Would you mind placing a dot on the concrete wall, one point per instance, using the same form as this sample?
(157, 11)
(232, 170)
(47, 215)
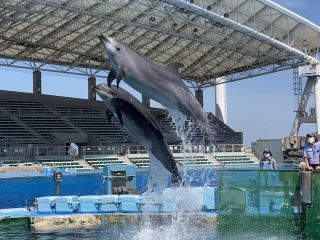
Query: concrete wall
(275, 145)
(51, 100)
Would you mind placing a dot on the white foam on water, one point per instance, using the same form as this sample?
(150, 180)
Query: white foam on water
(178, 230)
(188, 200)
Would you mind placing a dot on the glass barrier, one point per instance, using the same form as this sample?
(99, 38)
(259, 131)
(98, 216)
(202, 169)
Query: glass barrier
(261, 203)
(312, 212)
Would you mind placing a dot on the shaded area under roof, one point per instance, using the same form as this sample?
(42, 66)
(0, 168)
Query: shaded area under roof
(236, 39)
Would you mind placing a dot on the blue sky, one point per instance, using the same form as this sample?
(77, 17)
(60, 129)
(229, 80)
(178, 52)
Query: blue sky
(260, 107)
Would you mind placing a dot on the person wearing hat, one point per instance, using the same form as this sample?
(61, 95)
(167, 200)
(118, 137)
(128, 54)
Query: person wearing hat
(267, 162)
(311, 152)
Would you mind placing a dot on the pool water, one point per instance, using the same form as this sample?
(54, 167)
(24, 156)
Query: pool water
(19, 192)
(177, 230)
(242, 210)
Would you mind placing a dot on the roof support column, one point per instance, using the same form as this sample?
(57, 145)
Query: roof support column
(37, 82)
(221, 102)
(317, 101)
(199, 96)
(91, 85)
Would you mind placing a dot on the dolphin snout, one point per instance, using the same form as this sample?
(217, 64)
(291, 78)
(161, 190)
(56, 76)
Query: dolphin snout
(102, 87)
(105, 39)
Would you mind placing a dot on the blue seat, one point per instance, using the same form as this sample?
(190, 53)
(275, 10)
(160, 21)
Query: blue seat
(152, 204)
(109, 203)
(129, 203)
(89, 204)
(46, 204)
(66, 204)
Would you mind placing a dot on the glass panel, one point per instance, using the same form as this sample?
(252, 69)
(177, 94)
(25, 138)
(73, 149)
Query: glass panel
(265, 202)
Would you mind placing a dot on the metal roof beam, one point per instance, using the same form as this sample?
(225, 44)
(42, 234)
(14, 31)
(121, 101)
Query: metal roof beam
(215, 56)
(285, 11)
(241, 28)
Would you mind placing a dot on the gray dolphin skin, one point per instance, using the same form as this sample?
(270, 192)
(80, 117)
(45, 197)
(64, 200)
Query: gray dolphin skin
(140, 123)
(159, 82)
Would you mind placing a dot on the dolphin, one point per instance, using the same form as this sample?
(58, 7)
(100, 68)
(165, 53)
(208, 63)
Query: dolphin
(140, 123)
(159, 82)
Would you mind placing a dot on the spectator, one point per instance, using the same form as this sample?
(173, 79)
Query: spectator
(311, 152)
(267, 162)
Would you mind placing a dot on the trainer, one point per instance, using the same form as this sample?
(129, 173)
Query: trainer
(311, 152)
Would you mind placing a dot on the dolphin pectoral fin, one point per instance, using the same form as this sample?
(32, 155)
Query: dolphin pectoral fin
(112, 75)
(174, 67)
(119, 76)
(118, 82)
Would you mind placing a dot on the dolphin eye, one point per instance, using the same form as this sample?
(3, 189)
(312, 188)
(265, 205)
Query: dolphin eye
(118, 49)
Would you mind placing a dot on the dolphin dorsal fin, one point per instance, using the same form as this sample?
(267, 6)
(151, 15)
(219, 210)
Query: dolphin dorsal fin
(174, 67)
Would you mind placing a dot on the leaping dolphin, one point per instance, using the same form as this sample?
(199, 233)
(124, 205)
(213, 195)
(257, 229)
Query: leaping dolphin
(140, 123)
(159, 82)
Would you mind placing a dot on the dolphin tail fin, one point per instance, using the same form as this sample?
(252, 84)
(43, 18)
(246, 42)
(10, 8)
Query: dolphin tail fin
(112, 75)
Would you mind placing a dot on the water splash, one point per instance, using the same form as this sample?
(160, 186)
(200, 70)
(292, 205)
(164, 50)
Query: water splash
(158, 175)
(180, 229)
(184, 223)
(185, 131)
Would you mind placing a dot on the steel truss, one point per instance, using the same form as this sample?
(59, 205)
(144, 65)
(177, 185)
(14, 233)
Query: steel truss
(237, 39)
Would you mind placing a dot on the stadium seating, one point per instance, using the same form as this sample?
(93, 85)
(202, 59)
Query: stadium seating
(94, 122)
(14, 133)
(142, 161)
(40, 116)
(195, 160)
(59, 162)
(36, 116)
(100, 161)
(233, 158)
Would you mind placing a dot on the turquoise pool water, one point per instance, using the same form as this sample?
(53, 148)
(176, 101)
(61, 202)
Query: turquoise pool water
(179, 230)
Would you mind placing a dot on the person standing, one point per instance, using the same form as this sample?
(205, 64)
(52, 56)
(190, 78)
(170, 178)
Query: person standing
(311, 152)
(267, 162)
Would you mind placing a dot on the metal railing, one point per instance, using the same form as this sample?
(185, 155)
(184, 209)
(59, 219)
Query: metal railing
(100, 150)
(12, 152)
(256, 152)
(34, 153)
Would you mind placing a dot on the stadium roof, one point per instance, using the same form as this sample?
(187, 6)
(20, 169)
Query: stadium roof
(233, 38)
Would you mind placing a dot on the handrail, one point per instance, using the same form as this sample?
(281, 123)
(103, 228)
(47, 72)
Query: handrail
(35, 152)
(256, 152)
